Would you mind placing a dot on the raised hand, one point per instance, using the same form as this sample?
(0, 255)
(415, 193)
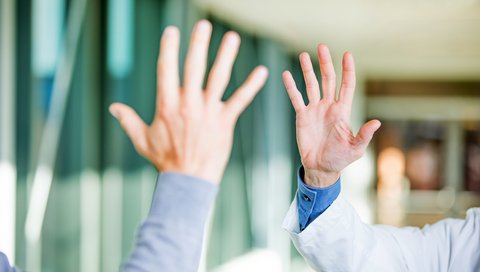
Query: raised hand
(192, 131)
(324, 135)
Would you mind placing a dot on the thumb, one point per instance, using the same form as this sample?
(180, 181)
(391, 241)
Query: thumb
(366, 132)
(132, 124)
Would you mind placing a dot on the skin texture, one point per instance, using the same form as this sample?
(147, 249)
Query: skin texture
(324, 135)
(192, 130)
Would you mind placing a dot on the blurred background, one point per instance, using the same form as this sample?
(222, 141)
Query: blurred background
(73, 190)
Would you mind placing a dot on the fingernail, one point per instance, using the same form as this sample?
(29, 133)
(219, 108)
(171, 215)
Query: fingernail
(325, 49)
(263, 70)
(203, 25)
(232, 38)
(169, 31)
(113, 112)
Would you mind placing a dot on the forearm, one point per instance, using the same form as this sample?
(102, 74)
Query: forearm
(171, 237)
(338, 240)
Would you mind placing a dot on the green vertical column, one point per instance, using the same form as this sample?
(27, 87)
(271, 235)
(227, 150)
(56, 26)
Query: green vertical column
(273, 190)
(91, 73)
(120, 46)
(23, 113)
(8, 184)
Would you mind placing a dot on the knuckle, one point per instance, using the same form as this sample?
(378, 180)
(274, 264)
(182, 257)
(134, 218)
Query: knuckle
(163, 110)
(189, 110)
(185, 111)
(162, 66)
(329, 76)
(348, 84)
(231, 115)
(311, 84)
(307, 69)
(164, 106)
(242, 100)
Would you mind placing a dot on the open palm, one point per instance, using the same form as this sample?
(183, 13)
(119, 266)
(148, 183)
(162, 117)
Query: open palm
(325, 140)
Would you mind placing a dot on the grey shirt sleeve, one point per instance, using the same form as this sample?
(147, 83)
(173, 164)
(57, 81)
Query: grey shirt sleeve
(171, 237)
(4, 264)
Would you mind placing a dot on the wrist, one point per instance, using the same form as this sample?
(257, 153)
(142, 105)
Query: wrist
(320, 179)
(212, 176)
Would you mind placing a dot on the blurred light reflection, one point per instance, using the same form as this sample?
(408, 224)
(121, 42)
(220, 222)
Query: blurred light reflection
(7, 209)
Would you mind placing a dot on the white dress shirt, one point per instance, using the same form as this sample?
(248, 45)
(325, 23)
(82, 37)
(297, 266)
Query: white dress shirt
(338, 240)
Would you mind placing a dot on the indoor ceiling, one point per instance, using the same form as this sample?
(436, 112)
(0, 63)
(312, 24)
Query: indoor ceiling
(410, 39)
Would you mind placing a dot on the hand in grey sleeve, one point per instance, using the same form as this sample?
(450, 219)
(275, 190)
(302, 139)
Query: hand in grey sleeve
(170, 239)
(191, 134)
(192, 129)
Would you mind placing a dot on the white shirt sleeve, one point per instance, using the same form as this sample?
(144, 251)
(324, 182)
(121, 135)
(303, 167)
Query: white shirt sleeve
(339, 241)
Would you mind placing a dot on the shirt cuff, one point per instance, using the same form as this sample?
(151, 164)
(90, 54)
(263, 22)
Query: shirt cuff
(312, 202)
(177, 193)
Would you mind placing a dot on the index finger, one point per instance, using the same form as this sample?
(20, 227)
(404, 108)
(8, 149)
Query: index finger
(245, 94)
(293, 93)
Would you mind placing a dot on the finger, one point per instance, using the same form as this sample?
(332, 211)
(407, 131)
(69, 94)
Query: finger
(311, 82)
(132, 124)
(365, 133)
(222, 67)
(245, 94)
(293, 93)
(347, 89)
(167, 68)
(196, 60)
(327, 71)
